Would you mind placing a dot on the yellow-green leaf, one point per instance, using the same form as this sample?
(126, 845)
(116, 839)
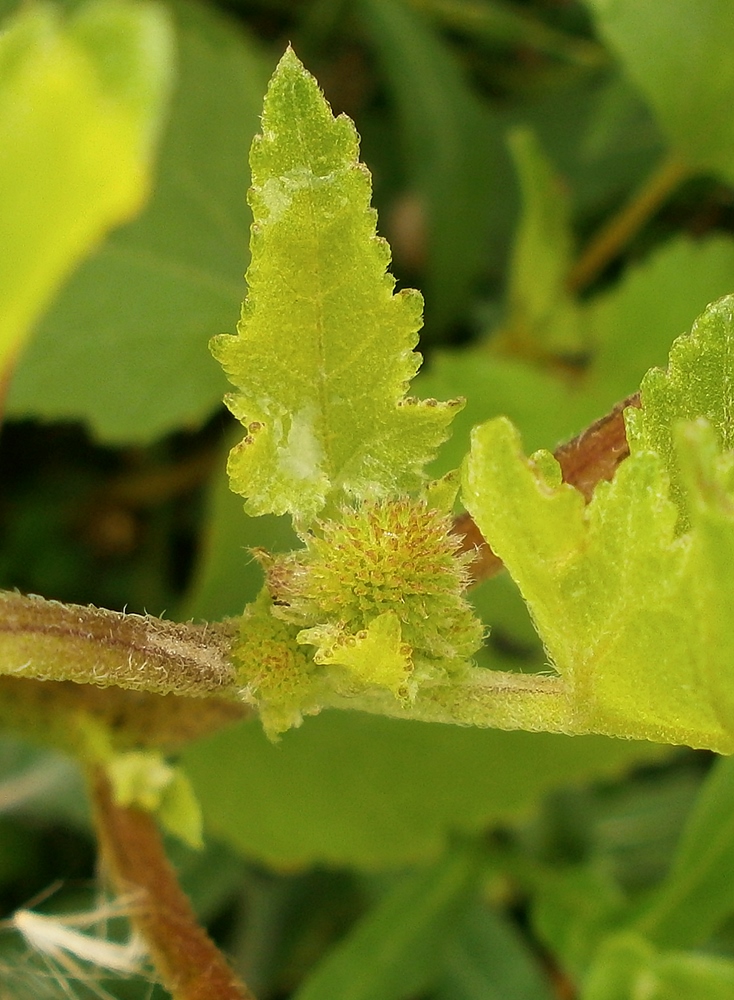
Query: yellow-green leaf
(80, 106)
(324, 352)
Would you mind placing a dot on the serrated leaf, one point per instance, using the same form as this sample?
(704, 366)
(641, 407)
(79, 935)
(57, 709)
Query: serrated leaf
(354, 789)
(376, 655)
(606, 584)
(144, 306)
(85, 96)
(642, 574)
(687, 75)
(324, 351)
(707, 475)
(698, 382)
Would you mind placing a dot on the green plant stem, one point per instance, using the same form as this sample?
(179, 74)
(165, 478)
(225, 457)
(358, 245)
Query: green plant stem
(139, 659)
(188, 962)
(619, 230)
(532, 702)
(47, 640)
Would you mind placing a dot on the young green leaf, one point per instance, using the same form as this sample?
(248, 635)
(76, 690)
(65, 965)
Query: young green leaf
(699, 382)
(621, 584)
(325, 349)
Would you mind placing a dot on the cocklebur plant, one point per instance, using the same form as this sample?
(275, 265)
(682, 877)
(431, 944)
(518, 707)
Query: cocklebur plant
(630, 592)
(371, 611)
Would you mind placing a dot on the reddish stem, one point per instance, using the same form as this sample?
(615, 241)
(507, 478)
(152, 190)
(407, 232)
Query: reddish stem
(188, 962)
(586, 460)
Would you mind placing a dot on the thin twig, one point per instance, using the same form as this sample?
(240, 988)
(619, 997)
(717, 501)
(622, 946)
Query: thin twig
(620, 229)
(188, 962)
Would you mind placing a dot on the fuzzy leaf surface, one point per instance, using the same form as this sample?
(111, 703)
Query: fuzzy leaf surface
(632, 594)
(324, 351)
(698, 382)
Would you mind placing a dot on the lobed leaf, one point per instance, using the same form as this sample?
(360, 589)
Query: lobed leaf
(699, 382)
(324, 351)
(632, 594)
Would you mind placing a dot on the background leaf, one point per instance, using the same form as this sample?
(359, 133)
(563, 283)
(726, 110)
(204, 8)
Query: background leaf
(697, 894)
(360, 790)
(489, 960)
(397, 949)
(633, 323)
(688, 76)
(86, 96)
(125, 346)
(450, 145)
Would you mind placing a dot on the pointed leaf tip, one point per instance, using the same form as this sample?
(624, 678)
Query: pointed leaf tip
(324, 351)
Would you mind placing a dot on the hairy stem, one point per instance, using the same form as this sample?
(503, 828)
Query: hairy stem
(495, 699)
(620, 229)
(188, 962)
(47, 640)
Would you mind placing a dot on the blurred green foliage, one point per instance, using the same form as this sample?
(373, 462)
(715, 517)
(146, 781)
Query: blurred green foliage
(504, 139)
